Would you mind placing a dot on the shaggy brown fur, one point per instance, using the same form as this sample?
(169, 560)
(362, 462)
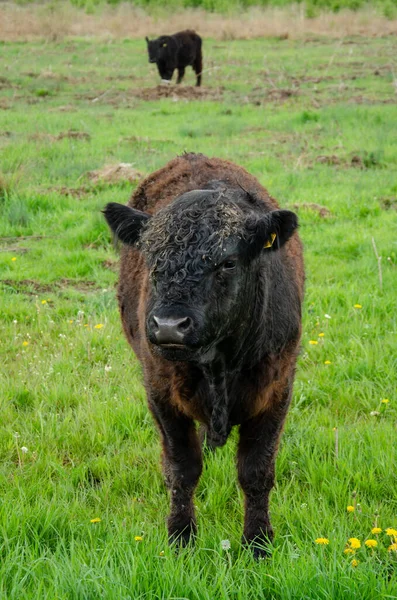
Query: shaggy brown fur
(248, 381)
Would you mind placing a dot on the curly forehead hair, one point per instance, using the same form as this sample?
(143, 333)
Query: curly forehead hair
(187, 236)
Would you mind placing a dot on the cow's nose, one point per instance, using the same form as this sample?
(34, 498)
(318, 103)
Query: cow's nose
(171, 330)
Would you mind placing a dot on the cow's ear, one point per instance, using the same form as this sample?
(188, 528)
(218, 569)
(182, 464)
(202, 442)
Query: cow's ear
(270, 232)
(147, 40)
(125, 222)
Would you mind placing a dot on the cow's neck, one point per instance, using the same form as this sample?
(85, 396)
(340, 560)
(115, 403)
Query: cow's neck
(215, 375)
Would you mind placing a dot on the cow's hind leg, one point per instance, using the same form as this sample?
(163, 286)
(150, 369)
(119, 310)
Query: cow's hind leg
(182, 462)
(256, 456)
(181, 73)
(198, 66)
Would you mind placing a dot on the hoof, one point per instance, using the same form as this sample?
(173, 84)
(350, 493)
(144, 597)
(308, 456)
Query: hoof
(181, 534)
(260, 545)
(181, 539)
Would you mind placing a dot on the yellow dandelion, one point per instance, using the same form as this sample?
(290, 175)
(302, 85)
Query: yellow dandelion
(355, 543)
(355, 562)
(357, 306)
(313, 342)
(349, 551)
(44, 301)
(393, 548)
(70, 320)
(138, 538)
(25, 343)
(99, 326)
(96, 520)
(391, 531)
(86, 325)
(161, 553)
(376, 530)
(322, 541)
(385, 401)
(327, 362)
(14, 258)
(321, 334)
(350, 509)
(371, 543)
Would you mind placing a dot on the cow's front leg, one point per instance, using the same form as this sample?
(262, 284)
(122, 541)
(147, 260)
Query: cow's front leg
(182, 463)
(256, 457)
(181, 73)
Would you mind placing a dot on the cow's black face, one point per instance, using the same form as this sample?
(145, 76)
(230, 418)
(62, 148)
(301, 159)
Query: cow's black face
(158, 49)
(205, 253)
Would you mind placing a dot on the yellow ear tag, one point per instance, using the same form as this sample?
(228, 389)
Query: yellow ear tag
(164, 45)
(270, 242)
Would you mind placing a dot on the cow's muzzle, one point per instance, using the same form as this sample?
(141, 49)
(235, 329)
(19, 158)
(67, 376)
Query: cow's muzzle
(170, 331)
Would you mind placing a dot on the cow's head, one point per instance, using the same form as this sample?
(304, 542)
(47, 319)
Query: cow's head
(206, 255)
(159, 49)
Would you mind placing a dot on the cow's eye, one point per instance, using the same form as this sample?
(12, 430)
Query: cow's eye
(229, 265)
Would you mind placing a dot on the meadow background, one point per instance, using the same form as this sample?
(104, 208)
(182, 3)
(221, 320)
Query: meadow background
(311, 113)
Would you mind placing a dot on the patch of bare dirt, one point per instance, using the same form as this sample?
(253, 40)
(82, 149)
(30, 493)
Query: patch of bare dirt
(388, 202)
(75, 135)
(5, 83)
(66, 108)
(322, 211)
(111, 264)
(71, 134)
(262, 95)
(121, 78)
(115, 173)
(362, 160)
(178, 92)
(31, 287)
(4, 105)
(329, 160)
(79, 285)
(27, 286)
(78, 192)
(14, 249)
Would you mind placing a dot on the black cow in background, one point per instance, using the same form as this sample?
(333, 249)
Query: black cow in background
(176, 51)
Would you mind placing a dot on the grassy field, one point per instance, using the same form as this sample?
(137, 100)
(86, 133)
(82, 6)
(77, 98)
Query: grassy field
(314, 120)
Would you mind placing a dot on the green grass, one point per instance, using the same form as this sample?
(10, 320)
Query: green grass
(315, 122)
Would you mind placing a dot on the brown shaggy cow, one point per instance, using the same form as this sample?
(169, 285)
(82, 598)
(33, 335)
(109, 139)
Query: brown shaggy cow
(176, 51)
(210, 292)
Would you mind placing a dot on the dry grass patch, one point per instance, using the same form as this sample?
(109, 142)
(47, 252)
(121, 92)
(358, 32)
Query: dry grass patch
(71, 134)
(54, 22)
(115, 174)
(178, 92)
(322, 211)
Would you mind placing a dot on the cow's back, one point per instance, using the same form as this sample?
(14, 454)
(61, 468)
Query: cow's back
(191, 172)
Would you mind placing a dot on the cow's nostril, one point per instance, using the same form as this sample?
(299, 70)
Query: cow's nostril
(184, 324)
(170, 330)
